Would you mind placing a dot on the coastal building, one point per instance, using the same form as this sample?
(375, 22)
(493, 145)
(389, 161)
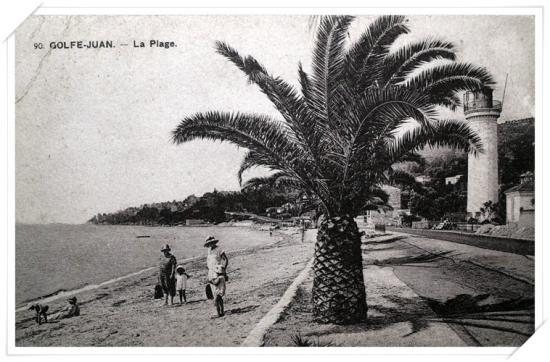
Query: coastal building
(423, 179)
(453, 180)
(520, 201)
(387, 216)
(481, 113)
(394, 196)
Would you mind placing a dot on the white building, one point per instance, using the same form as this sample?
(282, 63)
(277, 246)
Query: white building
(386, 216)
(452, 180)
(423, 179)
(520, 201)
(394, 196)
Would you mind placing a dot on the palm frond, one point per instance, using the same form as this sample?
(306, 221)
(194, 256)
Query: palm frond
(301, 176)
(284, 97)
(278, 180)
(374, 117)
(449, 78)
(305, 83)
(261, 134)
(327, 62)
(444, 133)
(398, 65)
(365, 55)
(250, 66)
(254, 159)
(451, 101)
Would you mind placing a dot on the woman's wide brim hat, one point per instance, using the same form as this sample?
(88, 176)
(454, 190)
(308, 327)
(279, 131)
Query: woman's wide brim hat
(210, 240)
(166, 248)
(180, 267)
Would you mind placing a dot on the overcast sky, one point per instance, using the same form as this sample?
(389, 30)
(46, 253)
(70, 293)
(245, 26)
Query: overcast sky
(93, 126)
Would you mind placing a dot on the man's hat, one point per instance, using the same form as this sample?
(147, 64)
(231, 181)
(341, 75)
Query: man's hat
(210, 240)
(166, 248)
(71, 299)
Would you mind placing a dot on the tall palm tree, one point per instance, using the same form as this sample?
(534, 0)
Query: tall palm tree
(339, 134)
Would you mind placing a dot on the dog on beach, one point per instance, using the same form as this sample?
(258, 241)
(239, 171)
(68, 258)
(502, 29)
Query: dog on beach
(41, 312)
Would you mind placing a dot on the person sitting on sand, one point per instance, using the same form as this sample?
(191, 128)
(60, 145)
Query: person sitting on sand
(218, 289)
(71, 310)
(181, 282)
(216, 256)
(167, 274)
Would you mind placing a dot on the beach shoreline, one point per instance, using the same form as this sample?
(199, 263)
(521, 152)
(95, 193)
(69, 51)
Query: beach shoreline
(64, 293)
(124, 313)
(59, 259)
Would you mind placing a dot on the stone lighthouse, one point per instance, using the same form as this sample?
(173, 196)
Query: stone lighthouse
(482, 112)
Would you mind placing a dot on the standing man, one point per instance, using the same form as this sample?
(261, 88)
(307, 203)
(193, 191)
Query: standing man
(167, 274)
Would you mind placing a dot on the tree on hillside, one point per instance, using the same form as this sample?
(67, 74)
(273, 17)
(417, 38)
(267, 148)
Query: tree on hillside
(337, 136)
(516, 150)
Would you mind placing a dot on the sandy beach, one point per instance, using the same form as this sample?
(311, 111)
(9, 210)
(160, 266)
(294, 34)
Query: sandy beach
(125, 313)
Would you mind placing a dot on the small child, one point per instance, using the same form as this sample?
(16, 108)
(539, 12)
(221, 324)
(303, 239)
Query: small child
(181, 282)
(40, 312)
(218, 289)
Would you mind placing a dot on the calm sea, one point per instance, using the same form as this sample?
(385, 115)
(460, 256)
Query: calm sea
(50, 258)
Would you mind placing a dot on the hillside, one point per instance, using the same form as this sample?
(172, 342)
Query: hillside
(508, 133)
(516, 155)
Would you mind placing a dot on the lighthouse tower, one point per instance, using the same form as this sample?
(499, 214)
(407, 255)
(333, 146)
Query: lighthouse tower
(482, 112)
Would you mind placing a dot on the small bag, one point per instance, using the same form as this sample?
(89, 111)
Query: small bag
(208, 290)
(158, 292)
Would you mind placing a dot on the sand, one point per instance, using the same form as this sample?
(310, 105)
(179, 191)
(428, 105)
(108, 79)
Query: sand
(125, 313)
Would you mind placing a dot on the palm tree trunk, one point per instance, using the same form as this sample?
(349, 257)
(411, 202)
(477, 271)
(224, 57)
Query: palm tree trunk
(338, 294)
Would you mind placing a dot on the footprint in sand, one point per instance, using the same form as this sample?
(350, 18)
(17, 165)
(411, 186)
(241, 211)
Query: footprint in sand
(118, 302)
(102, 295)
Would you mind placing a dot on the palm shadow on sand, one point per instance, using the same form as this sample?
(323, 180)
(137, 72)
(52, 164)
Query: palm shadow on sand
(411, 260)
(462, 310)
(472, 311)
(390, 241)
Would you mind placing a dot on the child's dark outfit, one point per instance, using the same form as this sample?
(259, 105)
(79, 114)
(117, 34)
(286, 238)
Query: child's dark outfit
(218, 290)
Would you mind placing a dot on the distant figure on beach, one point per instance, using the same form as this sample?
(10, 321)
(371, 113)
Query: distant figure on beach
(71, 310)
(40, 312)
(167, 274)
(181, 282)
(218, 289)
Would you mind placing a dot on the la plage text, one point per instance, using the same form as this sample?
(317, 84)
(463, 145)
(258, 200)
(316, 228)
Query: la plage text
(99, 44)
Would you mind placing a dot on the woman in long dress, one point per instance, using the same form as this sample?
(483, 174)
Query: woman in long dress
(216, 256)
(167, 274)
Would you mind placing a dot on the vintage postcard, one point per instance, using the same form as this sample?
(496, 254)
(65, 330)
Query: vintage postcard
(335, 180)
